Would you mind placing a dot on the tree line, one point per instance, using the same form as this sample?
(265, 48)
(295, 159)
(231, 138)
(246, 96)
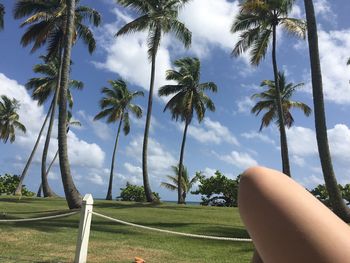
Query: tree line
(59, 24)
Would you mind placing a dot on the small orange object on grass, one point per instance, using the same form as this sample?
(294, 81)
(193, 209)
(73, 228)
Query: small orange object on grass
(139, 260)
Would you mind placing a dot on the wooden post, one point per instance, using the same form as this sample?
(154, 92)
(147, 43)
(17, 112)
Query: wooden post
(84, 229)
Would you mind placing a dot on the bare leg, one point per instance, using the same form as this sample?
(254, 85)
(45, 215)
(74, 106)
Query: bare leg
(287, 223)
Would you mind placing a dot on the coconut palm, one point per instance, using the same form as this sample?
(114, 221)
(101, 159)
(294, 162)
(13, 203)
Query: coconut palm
(158, 17)
(268, 98)
(2, 14)
(338, 204)
(189, 98)
(43, 88)
(116, 105)
(186, 183)
(258, 21)
(44, 180)
(9, 119)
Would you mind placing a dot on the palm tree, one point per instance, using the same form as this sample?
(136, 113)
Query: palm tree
(9, 119)
(158, 17)
(338, 204)
(2, 14)
(42, 89)
(115, 106)
(268, 103)
(258, 21)
(186, 183)
(189, 98)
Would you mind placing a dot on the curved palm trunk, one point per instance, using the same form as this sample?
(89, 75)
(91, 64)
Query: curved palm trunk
(283, 136)
(180, 196)
(338, 204)
(148, 192)
(73, 197)
(109, 192)
(29, 161)
(38, 193)
(47, 191)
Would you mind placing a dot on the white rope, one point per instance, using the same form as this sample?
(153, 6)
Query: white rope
(38, 218)
(173, 232)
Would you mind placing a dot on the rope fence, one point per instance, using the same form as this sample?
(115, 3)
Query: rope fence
(172, 232)
(39, 218)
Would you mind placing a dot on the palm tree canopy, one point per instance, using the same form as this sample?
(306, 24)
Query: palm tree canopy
(116, 104)
(186, 183)
(256, 20)
(9, 119)
(2, 14)
(47, 23)
(157, 17)
(268, 102)
(43, 87)
(189, 92)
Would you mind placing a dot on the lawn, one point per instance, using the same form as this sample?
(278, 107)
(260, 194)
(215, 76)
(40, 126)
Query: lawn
(54, 240)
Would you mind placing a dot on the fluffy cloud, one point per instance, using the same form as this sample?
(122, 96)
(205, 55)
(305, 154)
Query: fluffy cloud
(159, 159)
(100, 129)
(211, 132)
(240, 160)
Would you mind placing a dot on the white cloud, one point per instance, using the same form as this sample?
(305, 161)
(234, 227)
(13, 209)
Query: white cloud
(301, 141)
(100, 129)
(244, 105)
(324, 9)
(259, 136)
(159, 159)
(211, 132)
(241, 160)
(133, 169)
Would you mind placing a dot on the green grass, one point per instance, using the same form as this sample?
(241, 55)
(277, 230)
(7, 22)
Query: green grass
(55, 240)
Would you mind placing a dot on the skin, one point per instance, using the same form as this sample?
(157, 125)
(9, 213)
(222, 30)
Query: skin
(287, 223)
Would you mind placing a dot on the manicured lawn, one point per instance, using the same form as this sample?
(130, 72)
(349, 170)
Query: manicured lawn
(54, 240)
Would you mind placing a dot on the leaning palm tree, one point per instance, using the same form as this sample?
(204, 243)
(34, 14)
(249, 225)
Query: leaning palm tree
(337, 202)
(2, 13)
(59, 23)
(186, 183)
(115, 106)
(258, 22)
(268, 98)
(189, 98)
(158, 17)
(9, 119)
(43, 88)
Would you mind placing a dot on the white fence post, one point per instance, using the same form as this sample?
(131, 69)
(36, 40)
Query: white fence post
(84, 229)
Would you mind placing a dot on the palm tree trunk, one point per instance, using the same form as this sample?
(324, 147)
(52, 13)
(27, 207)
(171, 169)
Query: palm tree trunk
(52, 162)
(148, 192)
(337, 202)
(38, 193)
(109, 192)
(73, 197)
(180, 196)
(18, 190)
(283, 136)
(47, 191)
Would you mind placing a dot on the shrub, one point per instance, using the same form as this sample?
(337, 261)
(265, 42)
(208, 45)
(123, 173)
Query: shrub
(8, 184)
(134, 193)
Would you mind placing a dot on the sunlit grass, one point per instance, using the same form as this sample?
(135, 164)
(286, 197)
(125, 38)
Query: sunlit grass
(54, 240)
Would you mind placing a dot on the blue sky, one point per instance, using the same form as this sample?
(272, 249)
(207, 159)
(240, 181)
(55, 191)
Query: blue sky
(227, 140)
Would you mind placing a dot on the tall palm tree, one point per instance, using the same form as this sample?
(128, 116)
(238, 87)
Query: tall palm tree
(73, 197)
(158, 17)
(186, 183)
(268, 98)
(42, 89)
(2, 14)
(338, 204)
(258, 21)
(9, 119)
(189, 98)
(115, 106)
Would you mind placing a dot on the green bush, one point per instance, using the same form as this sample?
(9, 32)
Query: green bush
(321, 193)
(8, 185)
(218, 190)
(134, 193)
